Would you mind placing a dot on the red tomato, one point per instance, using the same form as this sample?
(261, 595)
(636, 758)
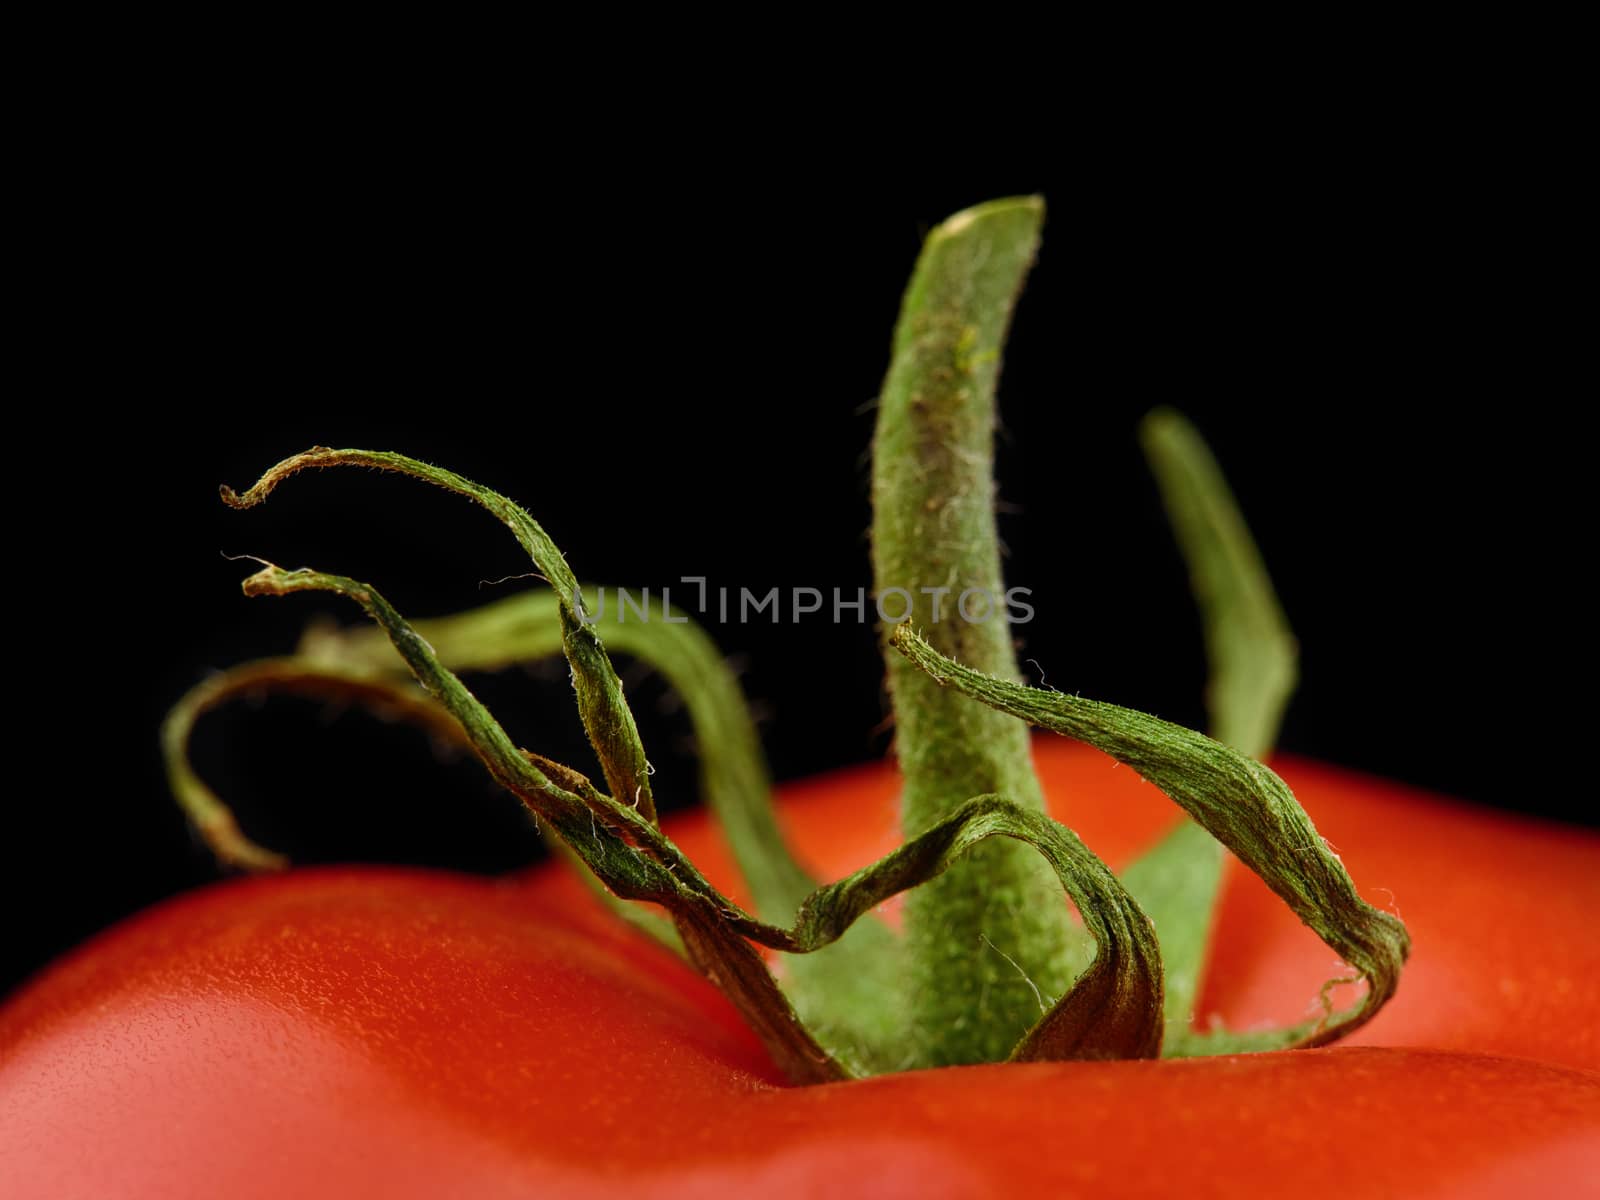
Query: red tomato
(402, 1033)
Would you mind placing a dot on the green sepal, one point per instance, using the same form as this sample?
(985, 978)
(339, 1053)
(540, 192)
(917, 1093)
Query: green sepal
(1251, 656)
(376, 690)
(849, 992)
(1242, 803)
(1112, 1010)
(607, 719)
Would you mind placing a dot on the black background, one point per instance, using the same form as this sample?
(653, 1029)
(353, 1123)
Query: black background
(672, 366)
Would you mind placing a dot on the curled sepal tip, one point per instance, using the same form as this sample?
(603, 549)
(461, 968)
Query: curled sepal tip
(607, 719)
(211, 818)
(1241, 802)
(381, 694)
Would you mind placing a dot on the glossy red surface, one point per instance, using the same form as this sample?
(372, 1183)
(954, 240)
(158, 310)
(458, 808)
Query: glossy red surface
(411, 1034)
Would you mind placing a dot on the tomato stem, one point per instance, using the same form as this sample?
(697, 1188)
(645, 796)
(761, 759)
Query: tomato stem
(988, 937)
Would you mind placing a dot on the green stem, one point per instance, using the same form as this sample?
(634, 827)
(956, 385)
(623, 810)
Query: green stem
(987, 937)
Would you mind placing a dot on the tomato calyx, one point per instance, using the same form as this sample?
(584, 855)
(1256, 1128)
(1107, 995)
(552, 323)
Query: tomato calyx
(1112, 1011)
(972, 805)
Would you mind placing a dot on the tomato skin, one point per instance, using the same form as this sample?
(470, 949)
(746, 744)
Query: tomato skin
(406, 1033)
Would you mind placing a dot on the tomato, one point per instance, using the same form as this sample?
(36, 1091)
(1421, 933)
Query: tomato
(398, 1033)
